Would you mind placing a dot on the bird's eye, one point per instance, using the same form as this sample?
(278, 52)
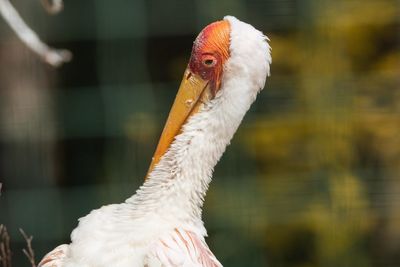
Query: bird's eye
(209, 61)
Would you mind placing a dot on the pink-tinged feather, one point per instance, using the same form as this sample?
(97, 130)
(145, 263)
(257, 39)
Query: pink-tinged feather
(55, 257)
(182, 248)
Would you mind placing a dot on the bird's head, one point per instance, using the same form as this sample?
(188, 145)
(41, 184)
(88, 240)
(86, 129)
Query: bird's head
(226, 55)
(209, 54)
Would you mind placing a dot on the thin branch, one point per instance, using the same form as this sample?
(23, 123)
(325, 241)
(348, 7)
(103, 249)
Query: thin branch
(5, 251)
(53, 6)
(29, 253)
(54, 57)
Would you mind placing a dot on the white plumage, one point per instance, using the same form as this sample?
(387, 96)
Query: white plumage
(161, 224)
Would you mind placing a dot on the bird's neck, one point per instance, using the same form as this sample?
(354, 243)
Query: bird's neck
(178, 184)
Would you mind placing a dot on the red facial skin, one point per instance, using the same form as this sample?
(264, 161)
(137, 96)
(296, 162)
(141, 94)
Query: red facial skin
(209, 53)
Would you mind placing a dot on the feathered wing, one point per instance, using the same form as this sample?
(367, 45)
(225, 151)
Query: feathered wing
(181, 249)
(54, 258)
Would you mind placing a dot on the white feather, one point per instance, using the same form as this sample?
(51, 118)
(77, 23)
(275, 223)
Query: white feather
(170, 201)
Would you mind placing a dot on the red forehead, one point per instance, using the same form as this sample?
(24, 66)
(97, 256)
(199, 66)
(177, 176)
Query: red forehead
(211, 44)
(213, 39)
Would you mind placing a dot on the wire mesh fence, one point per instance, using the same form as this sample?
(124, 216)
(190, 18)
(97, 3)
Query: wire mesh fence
(311, 177)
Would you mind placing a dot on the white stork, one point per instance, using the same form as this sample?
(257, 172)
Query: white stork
(161, 224)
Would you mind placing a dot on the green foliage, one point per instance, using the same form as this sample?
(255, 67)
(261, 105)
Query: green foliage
(312, 176)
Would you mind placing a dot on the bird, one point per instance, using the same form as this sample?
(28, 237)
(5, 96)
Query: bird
(161, 224)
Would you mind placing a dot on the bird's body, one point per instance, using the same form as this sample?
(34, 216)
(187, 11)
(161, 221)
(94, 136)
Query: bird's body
(161, 224)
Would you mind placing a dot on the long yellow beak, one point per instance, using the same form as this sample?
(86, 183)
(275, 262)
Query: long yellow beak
(192, 92)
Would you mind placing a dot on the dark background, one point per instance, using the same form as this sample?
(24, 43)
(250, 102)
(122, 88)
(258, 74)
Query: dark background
(312, 177)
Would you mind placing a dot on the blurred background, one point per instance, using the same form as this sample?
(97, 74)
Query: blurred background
(312, 177)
